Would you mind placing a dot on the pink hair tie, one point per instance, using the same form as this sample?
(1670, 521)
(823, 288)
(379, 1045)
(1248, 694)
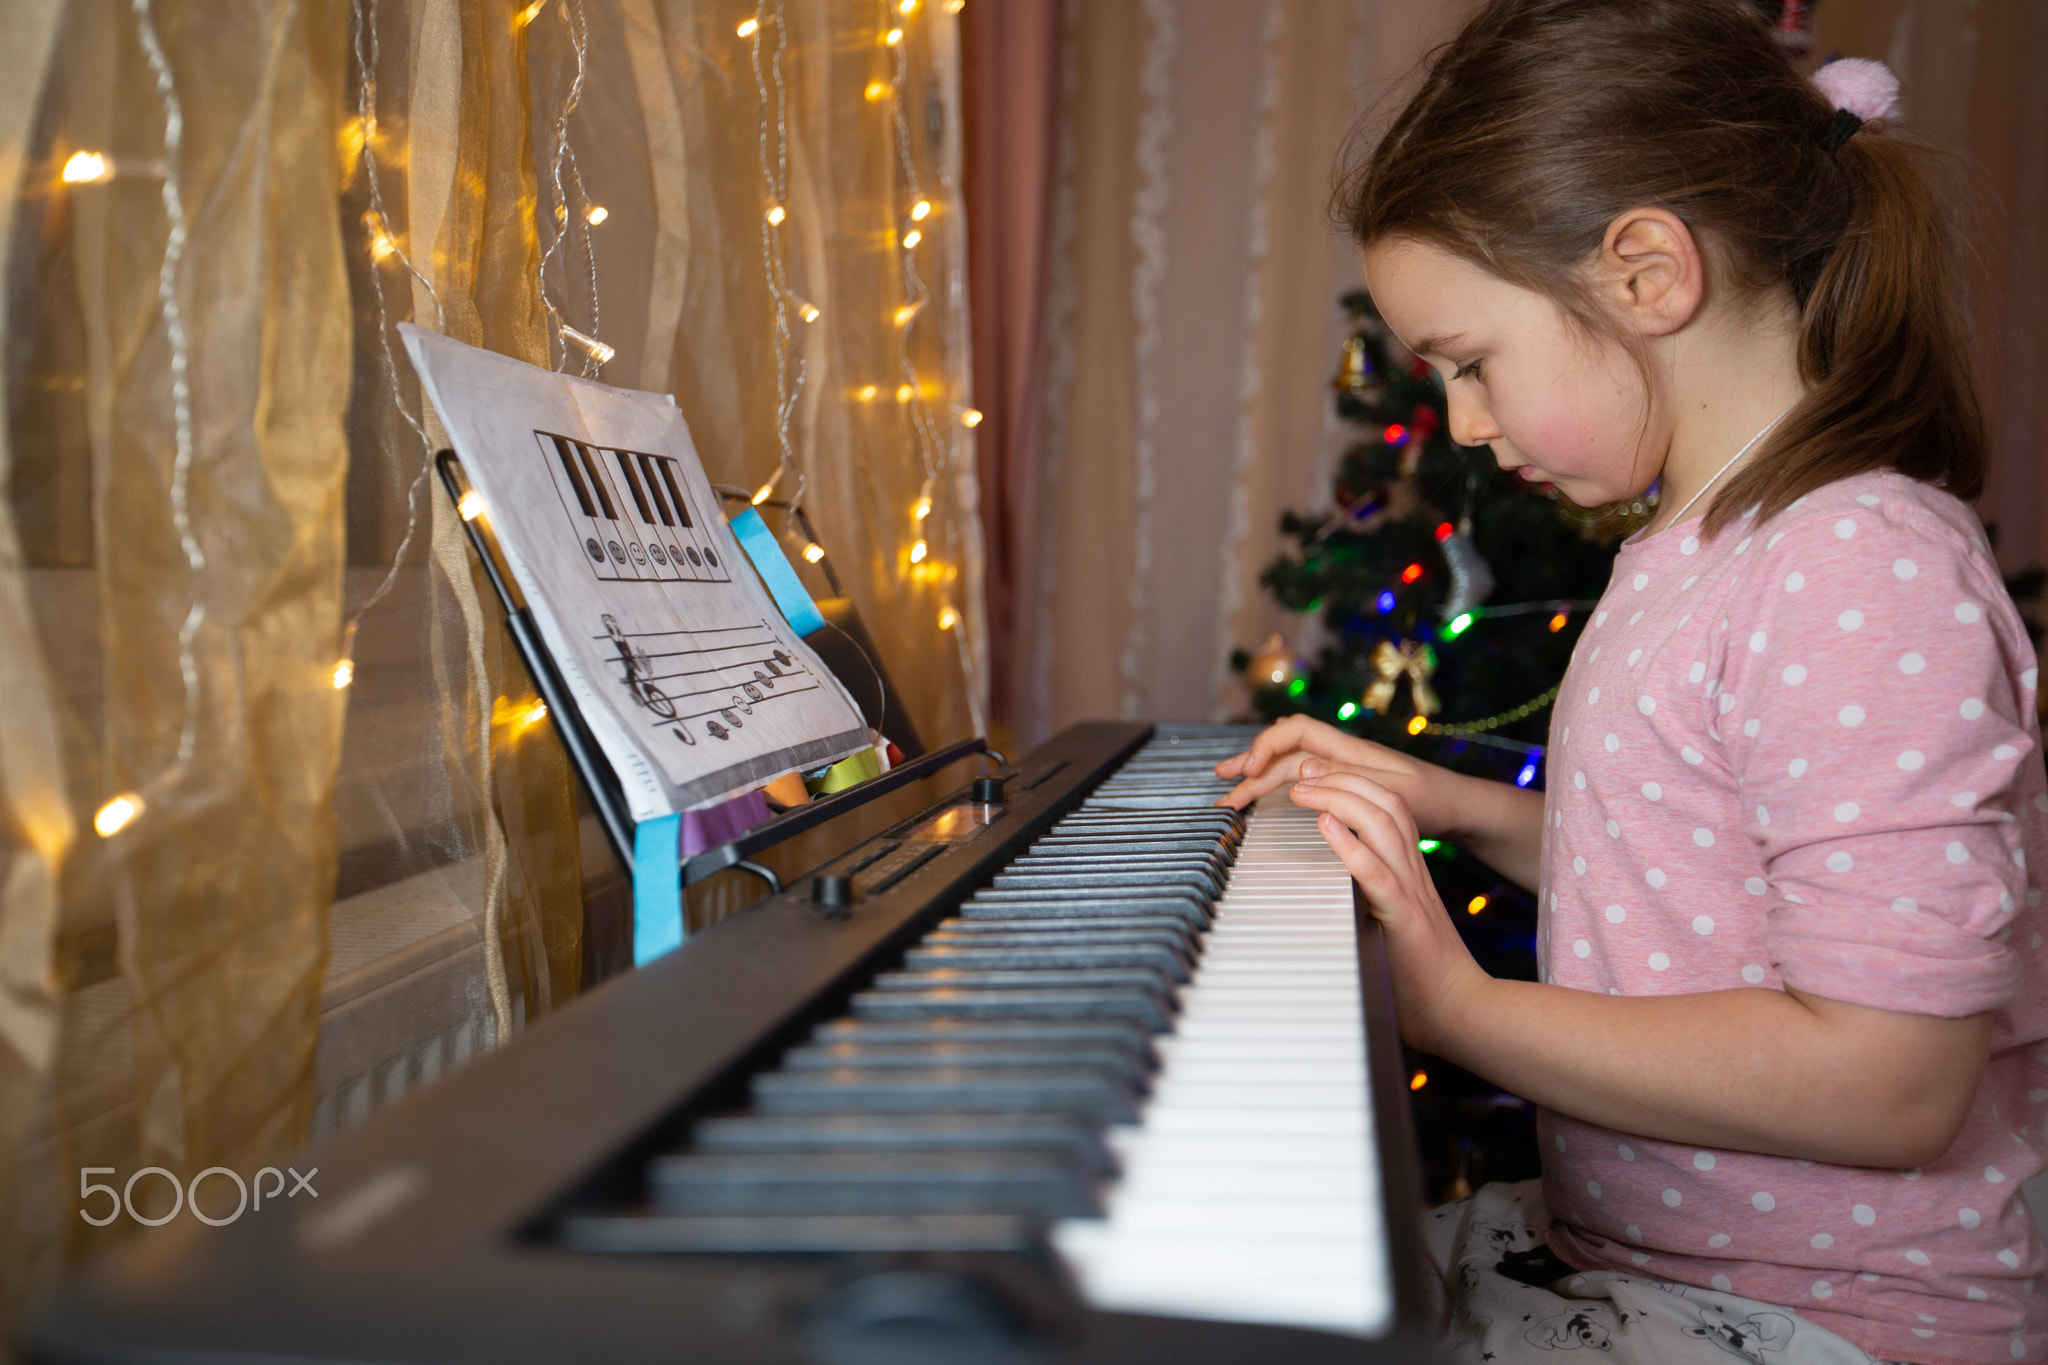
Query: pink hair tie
(1860, 90)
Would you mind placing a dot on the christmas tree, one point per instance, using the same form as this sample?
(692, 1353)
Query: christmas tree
(1448, 595)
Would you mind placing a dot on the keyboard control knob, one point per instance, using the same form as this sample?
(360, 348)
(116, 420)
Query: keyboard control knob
(988, 791)
(832, 896)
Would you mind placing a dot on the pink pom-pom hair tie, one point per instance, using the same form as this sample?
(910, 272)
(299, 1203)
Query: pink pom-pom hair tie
(1860, 90)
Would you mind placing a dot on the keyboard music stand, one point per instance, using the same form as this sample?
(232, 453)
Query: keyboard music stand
(594, 771)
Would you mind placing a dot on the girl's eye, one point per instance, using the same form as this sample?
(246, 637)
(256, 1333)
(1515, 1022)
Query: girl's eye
(1470, 370)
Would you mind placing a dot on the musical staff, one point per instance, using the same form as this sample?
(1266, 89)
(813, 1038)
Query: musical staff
(679, 681)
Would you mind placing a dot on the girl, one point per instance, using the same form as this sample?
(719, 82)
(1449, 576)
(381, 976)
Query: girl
(1789, 1038)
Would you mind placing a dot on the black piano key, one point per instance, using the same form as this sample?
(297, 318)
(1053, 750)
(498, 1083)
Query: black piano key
(1121, 1034)
(872, 1056)
(1031, 957)
(670, 1234)
(1076, 1089)
(1048, 979)
(776, 1184)
(1144, 1008)
(1074, 1138)
(967, 933)
(1054, 857)
(1186, 872)
(1046, 903)
(1105, 879)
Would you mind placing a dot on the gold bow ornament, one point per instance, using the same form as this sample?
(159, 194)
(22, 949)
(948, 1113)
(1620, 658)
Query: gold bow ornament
(1390, 662)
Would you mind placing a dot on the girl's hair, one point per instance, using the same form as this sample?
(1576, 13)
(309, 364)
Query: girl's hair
(1545, 119)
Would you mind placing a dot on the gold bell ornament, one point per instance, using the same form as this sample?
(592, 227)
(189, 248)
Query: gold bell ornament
(1412, 659)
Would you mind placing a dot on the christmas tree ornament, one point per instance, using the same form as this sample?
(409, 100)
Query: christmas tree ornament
(1354, 371)
(1471, 575)
(1391, 662)
(1274, 664)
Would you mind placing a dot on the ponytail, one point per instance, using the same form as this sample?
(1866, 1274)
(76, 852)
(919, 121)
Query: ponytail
(1881, 343)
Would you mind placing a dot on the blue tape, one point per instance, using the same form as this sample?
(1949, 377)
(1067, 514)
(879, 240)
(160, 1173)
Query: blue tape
(777, 572)
(657, 889)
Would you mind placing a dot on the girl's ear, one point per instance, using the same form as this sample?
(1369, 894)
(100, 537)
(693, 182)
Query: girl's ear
(1651, 271)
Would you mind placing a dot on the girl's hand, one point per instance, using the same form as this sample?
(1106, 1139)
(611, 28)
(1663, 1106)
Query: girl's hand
(1298, 747)
(1370, 828)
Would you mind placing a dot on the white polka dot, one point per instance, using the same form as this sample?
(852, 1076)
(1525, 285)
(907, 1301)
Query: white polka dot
(1923, 1332)
(1969, 1218)
(1652, 791)
(2005, 751)
(1703, 924)
(1703, 1160)
(1849, 620)
(1822, 1289)
(1703, 837)
(1692, 755)
(2029, 678)
(1594, 695)
(1905, 905)
(1634, 657)
(1910, 663)
(1579, 780)
(1821, 1241)
(1963, 799)
(1579, 866)
(1640, 581)
(1912, 760)
(1794, 582)
(1612, 742)
(2009, 1258)
(1763, 1201)
(1558, 1138)
(1723, 1283)
(1869, 499)
(1640, 1257)
(1840, 862)
(1655, 876)
(1635, 618)
(2018, 1348)
(1763, 815)
(1919, 1258)
(1646, 704)
(1615, 914)
(1913, 1174)
(1797, 767)
(1727, 702)
(1847, 811)
(1994, 1176)
(1683, 586)
(1904, 568)
(1714, 687)
(1975, 1295)
(1627, 1153)
(1753, 974)
(1845, 528)
(1696, 672)
(1852, 714)
(1613, 830)
(1582, 948)
(1689, 546)
(1751, 726)
(1755, 886)
(1672, 1199)
(1957, 853)
(1967, 612)
(1971, 709)
(1743, 544)
(1757, 641)
(1719, 1240)
(1659, 962)
(1794, 674)
(1864, 1215)
(1593, 1188)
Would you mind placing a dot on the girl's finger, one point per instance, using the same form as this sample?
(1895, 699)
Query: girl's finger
(1384, 893)
(1375, 827)
(1283, 770)
(1361, 785)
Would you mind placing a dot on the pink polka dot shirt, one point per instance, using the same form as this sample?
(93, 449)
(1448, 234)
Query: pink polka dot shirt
(1804, 753)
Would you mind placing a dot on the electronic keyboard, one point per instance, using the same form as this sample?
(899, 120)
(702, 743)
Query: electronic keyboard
(1074, 1065)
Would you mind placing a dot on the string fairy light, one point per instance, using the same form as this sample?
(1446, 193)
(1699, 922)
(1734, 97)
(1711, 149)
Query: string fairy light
(774, 118)
(117, 814)
(87, 168)
(562, 160)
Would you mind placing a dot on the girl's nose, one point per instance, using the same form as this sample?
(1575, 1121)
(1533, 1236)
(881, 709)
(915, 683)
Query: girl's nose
(1470, 423)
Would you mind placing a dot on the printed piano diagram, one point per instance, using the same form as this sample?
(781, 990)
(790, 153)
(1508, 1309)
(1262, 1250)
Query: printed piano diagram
(681, 680)
(603, 490)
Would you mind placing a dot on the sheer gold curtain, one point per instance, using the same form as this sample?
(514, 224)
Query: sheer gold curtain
(354, 857)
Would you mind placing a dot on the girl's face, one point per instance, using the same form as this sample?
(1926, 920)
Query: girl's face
(1553, 404)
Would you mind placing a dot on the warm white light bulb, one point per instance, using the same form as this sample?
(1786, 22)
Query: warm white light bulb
(809, 312)
(904, 393)
(344, 674)
(776, 215)
(866, 393)
(597, 350)
(748, 27)
(918, 552)
(921, 509)
(893, 37)
(598, 213)
(471, 505)
(813, 553)
(906, 6)
(117, 814)
(905, 314)
(529, 14)
(921, 210)
(912, 238)
(877, 90)
(948, 619)
(87, 168)
(971, 417)
(536, 714)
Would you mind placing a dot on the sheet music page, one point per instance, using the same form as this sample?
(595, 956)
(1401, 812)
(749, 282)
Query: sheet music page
(686, 673)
